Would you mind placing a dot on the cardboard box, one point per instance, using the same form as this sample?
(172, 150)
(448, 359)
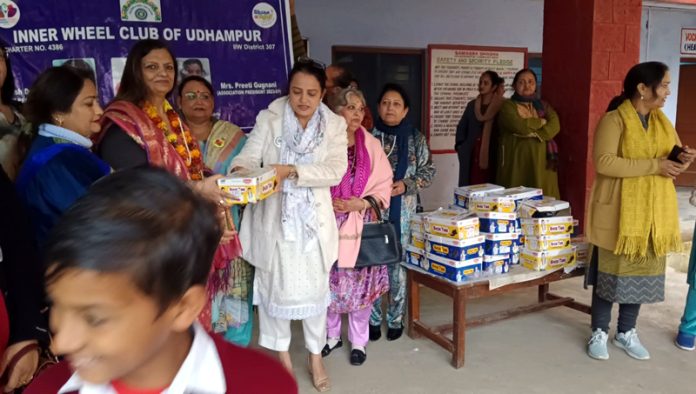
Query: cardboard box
(249, 186)
(455, 249)
(519, 194)
(544, 261)
(455, 271)
(492, 203)
(547, 242)
(547, 207)
(547, 226)
(515, 258)
(583, 250)
(416, 257)
(417, 223)
(451, 224)
(493, 265)
(500, 244)
(497, 222)
(418, 239)
(464, 193)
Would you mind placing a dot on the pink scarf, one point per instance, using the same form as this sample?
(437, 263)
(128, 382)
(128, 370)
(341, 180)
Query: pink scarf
(371, 175)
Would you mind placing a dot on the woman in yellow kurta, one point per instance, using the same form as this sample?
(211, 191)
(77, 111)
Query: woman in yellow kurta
(527, 153)
(633, 220)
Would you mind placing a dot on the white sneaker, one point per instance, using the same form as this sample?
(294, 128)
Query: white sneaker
(597, 345)
(629, 342)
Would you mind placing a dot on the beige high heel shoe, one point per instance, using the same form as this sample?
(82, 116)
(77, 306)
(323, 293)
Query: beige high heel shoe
(321, 385)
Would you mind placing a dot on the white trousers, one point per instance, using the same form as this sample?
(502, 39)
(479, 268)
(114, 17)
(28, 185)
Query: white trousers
(275, 333)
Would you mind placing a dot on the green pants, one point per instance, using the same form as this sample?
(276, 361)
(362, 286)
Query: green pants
(688, 320)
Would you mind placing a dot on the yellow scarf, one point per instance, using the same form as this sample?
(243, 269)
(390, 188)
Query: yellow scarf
(648, 203)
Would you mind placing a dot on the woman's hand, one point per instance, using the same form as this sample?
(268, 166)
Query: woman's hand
(209, 189)
(398, 188)
(282, 173)
(670, 169)
(24, 370)
(353, 204)
(229, 229)
(687, 156)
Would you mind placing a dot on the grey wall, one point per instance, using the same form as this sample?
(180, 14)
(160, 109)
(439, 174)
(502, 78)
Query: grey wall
(416, 23)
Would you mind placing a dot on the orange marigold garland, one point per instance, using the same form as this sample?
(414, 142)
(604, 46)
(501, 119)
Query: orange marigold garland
(179, 137)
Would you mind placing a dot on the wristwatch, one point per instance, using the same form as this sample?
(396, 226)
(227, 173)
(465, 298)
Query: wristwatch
(292, 175)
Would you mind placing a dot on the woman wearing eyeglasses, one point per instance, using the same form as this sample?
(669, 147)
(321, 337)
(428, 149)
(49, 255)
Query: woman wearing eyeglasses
(140, 128)
(291, 237)
(220, 141)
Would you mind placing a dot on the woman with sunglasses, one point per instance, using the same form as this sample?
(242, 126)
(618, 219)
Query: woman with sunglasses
(292, 237)
(220, 141)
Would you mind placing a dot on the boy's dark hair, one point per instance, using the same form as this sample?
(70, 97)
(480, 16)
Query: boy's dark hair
(144, 222)
(133, 88)
(196, 78)
(54, 90)
(648, 73)
(395, 87)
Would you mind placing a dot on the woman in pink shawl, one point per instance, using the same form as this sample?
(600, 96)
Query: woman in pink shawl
(353, 290)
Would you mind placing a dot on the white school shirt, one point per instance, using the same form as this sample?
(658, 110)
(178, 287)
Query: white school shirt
(201, 372)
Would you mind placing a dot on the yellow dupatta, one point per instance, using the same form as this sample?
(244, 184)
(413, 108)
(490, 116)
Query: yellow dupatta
(648, 203)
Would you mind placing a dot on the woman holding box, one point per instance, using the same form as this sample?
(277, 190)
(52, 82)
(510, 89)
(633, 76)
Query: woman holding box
(220, 142)
(409, 155)
(527, 153)
(633, 220)
(142, 129)
(369, 175)
(291, 237)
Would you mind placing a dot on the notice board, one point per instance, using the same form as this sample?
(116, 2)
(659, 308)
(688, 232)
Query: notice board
(453, 74)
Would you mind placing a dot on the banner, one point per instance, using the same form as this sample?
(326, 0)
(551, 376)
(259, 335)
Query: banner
(453, 75)
(243, 47)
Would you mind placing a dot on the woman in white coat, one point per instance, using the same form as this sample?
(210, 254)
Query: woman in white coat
(291, 237)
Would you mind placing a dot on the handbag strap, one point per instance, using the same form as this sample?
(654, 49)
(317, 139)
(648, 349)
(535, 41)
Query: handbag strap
(375, 207)
(15, 359)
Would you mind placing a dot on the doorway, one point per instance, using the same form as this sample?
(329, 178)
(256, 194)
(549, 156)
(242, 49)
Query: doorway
(686, 116)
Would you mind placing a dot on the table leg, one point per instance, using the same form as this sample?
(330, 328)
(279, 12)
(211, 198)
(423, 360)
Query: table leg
(459, 328)
(543, 291)
(413, 303)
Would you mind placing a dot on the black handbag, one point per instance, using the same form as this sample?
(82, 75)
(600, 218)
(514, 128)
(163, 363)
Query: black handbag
(379, 243)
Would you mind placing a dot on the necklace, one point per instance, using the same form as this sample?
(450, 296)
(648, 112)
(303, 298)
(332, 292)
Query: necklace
(392, 148)
(179, 137)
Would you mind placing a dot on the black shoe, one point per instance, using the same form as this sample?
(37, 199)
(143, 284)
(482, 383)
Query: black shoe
(327, 350)
(357, 357)
(394, 333)
(375, 332)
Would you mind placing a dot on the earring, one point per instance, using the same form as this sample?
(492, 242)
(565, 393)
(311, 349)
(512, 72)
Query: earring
(641, 97)
(59, 120)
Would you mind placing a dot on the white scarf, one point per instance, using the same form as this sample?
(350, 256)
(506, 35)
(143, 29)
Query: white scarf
(53, 131)
(299, 216)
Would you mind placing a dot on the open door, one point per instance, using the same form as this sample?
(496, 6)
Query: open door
(686, 115)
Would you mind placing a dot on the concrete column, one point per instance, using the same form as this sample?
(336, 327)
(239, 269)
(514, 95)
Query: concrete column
(589, 45)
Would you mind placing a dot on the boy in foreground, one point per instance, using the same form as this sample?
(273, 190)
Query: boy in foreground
(126, 275)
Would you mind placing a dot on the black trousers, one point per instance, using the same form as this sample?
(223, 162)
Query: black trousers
(601, 314)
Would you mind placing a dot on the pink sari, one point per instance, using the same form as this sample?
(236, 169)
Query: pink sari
(352, 288)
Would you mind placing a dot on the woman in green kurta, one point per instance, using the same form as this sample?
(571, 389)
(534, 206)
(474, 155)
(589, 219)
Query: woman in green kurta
(220, 141)
(527, 126)
(633, 220)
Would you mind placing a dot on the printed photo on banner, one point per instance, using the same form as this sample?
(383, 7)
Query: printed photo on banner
(194, 66)
(84, 63)
(141, 10)
(117, 66)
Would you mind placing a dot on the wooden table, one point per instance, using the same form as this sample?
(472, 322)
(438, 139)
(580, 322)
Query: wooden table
(462, 292)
